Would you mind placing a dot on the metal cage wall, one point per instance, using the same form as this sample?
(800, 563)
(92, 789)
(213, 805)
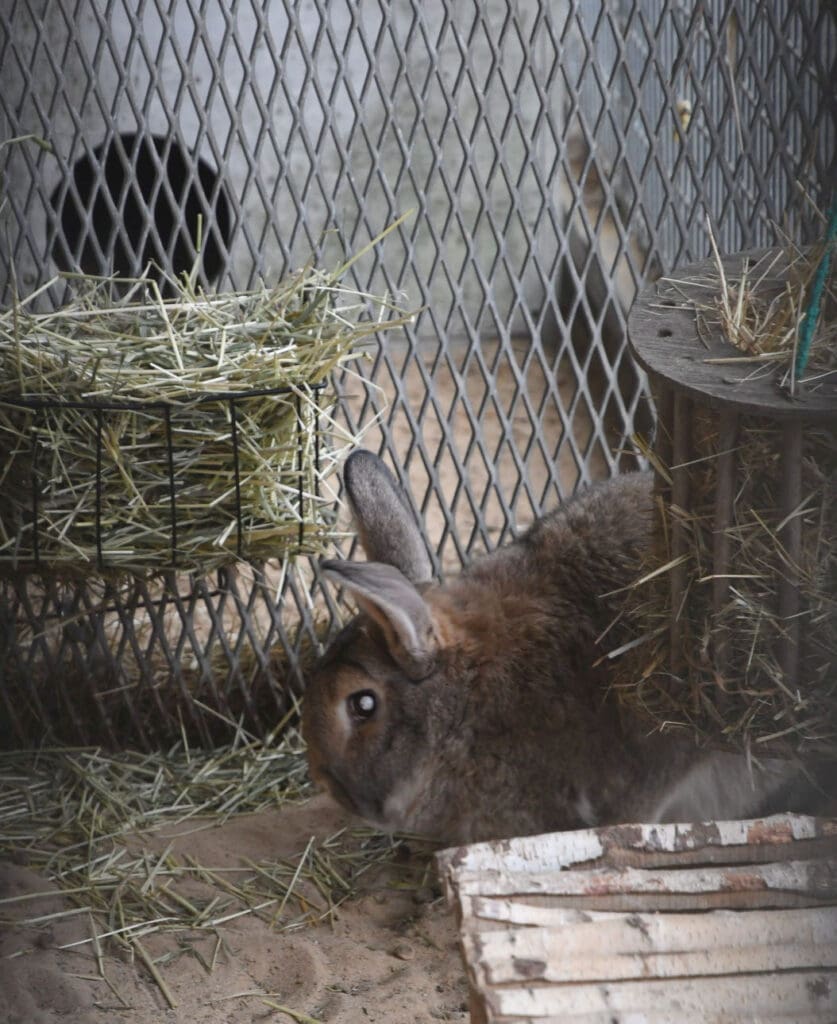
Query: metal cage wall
(557, 154)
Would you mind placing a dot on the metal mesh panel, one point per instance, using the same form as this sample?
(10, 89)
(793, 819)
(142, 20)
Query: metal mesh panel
(557, 154)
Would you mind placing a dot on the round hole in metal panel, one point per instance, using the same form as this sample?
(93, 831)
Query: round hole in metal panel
(137, 200)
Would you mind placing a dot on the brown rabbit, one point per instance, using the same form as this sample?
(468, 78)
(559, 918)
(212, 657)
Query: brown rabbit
(476, 709)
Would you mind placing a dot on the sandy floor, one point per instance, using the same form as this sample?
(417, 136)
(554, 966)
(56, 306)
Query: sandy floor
(391, 955)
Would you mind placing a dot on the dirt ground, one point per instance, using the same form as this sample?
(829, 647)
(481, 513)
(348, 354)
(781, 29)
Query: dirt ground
(391, 955)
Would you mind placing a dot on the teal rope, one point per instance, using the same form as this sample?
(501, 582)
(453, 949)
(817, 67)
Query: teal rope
(812, 313)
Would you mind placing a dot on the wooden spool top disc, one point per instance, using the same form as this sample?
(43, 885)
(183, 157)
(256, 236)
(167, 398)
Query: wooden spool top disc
(675, 334)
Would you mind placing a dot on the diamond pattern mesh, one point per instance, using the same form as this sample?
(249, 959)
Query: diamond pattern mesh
(556, 154)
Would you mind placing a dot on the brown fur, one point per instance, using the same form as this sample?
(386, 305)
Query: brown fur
(493, 715)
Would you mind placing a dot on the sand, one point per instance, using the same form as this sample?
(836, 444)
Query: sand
(390, 956)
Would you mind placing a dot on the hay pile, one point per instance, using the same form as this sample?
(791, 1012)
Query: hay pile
(726, 681)
(743, 699)
(767, 328)
(146, 433)
(83, 819)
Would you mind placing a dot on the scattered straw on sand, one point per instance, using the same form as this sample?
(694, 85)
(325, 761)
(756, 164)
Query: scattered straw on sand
(78, 817)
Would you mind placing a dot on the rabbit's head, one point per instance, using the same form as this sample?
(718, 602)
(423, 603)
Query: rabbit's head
(378, 694)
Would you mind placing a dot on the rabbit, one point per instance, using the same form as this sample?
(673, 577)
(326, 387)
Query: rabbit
(479, 709)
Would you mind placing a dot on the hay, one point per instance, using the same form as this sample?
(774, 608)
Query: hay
(726, 682)
(79, 817)
(145, 433)
(767, 328)
(744, 700)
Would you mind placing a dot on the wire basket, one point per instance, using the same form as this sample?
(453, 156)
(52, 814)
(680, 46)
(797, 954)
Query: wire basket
(41, 536)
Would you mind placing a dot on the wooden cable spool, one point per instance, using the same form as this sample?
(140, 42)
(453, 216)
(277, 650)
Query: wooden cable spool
(695, 370)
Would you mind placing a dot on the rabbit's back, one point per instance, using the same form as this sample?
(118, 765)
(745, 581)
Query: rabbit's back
(568, 572)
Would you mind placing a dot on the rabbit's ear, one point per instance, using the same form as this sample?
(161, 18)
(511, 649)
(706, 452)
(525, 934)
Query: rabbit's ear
(393, 602)
(388, 530)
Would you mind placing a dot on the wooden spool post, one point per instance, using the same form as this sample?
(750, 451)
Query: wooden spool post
(724, 499)
(687, 377)
(791, 538)
(680, 455)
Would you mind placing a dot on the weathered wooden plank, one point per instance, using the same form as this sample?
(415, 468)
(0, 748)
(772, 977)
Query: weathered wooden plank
(518, 911)
(558, 849)
(538, 955)
(789, 995)
(814, 880)
(576, 933)
(651, 845)
(651, 1017)
(485, 913)
(665, 902)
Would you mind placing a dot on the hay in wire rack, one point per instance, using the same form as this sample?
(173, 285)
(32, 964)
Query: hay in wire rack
(86, 820)
(147, 433)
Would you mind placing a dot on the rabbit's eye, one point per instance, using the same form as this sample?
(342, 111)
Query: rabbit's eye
(363, 704)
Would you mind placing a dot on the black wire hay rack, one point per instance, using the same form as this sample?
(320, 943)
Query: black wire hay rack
(152, 509)
(32, 548)
(114, 647)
